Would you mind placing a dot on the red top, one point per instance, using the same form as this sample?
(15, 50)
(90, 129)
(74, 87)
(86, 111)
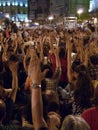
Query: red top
(63, 61)
(7, 33)
(91, 116)
(63, 77)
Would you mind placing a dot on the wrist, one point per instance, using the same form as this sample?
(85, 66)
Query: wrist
(36, 85)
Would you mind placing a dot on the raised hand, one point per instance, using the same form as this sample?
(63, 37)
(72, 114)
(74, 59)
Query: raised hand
(34, 71)
(13, 66)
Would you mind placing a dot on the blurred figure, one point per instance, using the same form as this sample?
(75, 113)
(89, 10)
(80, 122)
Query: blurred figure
(11, 126)
(91, 114)
(74, 123)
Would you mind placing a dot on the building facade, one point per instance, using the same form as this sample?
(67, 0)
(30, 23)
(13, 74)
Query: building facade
(20, 10)
(59, 7)
(38, 9)
(16, 9)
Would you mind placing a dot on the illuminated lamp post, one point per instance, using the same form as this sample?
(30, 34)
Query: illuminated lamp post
(80, 11)
(50, 18)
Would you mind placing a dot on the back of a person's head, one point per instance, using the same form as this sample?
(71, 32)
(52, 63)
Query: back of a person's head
(49, 73)
(75, 64)
(53, 106)
(80, 68)
(2, 109)
(94, 59)
(74, 123)
(62, 53)
(13, 58)
(84, 89)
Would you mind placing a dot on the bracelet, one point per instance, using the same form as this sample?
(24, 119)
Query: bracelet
(36, 85)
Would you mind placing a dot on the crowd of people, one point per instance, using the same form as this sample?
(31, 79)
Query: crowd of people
(49, 78)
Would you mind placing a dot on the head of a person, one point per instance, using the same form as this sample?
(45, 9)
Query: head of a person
(62, 52)
(47, 67)
(13, 58)
(94, 59)
(77, 67)
(74, 123)
(53, 121)
(77, 71)
(2, 110)
(84, 89)
(75, 64)
(74, 73)
(83, 81)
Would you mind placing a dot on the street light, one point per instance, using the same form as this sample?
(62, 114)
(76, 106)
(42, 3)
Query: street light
(50, 18)
(80, 11)
(7, 15)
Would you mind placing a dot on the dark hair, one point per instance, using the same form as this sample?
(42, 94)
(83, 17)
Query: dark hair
(62, 53)
(49, 73)
(19, 51)
(10, 49)
(13, 58)
(94, 59)
(75, 64)
(43, 128)
(84, 91)
(80, 68)
(10, 41)
(53, 106)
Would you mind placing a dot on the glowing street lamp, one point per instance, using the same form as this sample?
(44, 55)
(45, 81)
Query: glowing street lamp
(50, 18)
(7, 15)
(80, 11)
(36, 23)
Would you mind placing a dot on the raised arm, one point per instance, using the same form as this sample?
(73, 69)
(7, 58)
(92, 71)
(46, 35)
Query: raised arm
(13, 66)
(58, 63)
(36, 97)
(69, 49)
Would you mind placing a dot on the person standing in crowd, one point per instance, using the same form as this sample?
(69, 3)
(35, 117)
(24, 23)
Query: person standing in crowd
(2, 117)
(91, 114)
(81, 80)
(74, 123)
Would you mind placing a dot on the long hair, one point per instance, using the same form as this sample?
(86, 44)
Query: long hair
(74, 123)
(62, 53)
(84, 90)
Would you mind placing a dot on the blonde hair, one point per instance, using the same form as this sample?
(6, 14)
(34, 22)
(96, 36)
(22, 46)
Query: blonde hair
(74, 123)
